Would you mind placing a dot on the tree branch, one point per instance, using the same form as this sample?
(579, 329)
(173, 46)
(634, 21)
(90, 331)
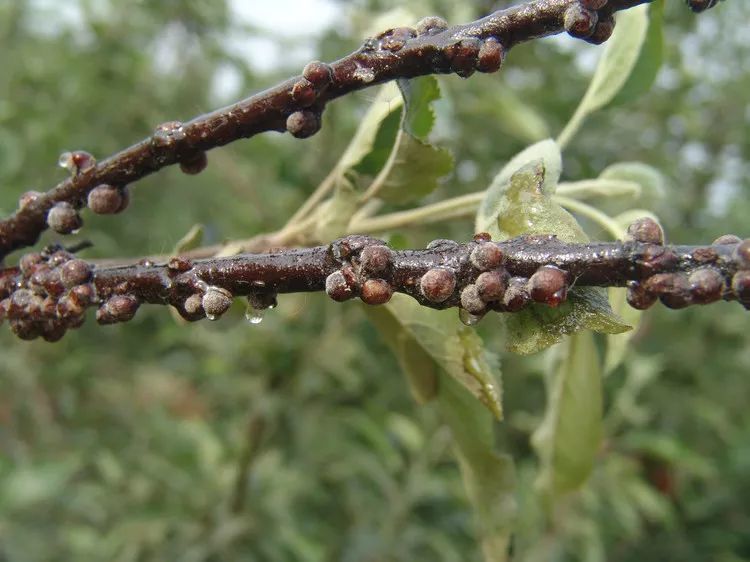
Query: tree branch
(296, 105)
(50, 291)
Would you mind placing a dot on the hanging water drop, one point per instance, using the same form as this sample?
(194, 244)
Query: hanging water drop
(211, 317)
(467, 318)
(254, 315)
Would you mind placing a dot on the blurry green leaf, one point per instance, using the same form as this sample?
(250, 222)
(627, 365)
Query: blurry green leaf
(493, 204)
(649, 178)
(525, 206)
(516, 118)
(27, 486)
(420, 369)
(599, 187)
(617, 344)
(489, 477)
(569, 437)
(615, 66)
(452, 346)
(191, 240)
(334, 214)
(650, 59)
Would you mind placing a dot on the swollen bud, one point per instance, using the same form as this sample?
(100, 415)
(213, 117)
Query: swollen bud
(105, 199)
(376, 291)
(646, 230)
(119, 308)
(63, 218)
(216, 301)
(438, 284)
(548, 285)
(303, 124)
(579, 21)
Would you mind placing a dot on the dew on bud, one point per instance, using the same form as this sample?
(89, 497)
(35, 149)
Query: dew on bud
(742, 254)
(438, 284)
(431, 25)
(74, 272)
(193, 304)
(646, 230)
(254, 315)
(167, 134)
(304, 93)
(727, 239)
(319, 74)
(486, 256)
(76, 162)
(340, 286)
(395, 39)
(63, 218)
(376, 291)
(195, 164)
(516, 295)
(216, 301)
(471, 301)
(375, 261)
(638, 297)
(462, 56)
(491, 55)
(706, 285)
(548, 285)
(303, 124)
(28, 198)
(482, 237)
(119, 308)
(579, 22)
(442, 244)
(491, 285)
(364, 74)
(602, 32)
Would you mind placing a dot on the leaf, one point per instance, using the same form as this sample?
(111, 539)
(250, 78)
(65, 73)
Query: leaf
(489, 476)
(618, 59)
(570, 434)
(413, 170)
(334, 214)
(537, 327)
(388, 102)
(525, 206)
(613, 70)
(414, 166)
(516, 118)
(547, 151)
(650, 59)
(649, 178)
(452, 346)
(192, 239)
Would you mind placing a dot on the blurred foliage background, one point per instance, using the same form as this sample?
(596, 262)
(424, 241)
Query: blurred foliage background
(297, 439)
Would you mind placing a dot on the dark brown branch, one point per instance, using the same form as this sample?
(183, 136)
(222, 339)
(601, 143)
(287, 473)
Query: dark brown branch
(296, 105)
(49, 293)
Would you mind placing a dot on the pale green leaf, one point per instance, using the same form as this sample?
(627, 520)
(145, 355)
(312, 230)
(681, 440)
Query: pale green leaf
(545, 151)
(649, 178)
(452, 346)
(515, 117)
(618, 59)
(419, 115)
(192, 239)
(335, 213)
(615, 66)
(489, 477)
(650, 59)
(525, 206)
(570, 434)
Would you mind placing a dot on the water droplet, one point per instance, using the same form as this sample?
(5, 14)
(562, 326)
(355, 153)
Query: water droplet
(254, 315)
(364, 74)
(211, 317)
(467, 318)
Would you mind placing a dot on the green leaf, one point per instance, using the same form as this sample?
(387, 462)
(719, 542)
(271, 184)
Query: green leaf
(537, 327)
(387, 103)
(413, 166)
(413, 170)
(545, 151)
(649, 178)
(418, 94)
(334, 214)
(613, 70)
(618, 59)
(570, 434)
(452, 346)
(514, 117)
(525, 206)
(650, 60)
(192, 239)
(489, 476)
